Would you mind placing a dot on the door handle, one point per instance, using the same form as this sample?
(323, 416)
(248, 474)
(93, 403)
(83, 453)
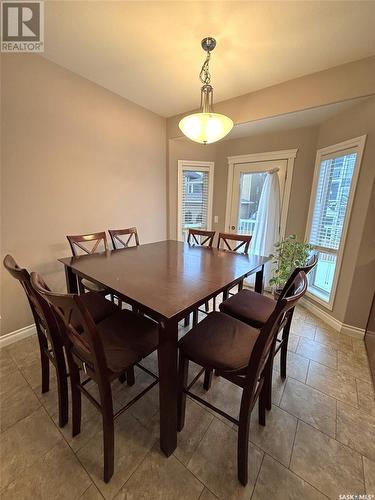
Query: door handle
(233, 227)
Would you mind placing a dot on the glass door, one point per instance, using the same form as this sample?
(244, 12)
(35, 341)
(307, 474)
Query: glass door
(248, 181)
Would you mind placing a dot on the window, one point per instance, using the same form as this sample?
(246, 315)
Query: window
(336, 173)
(251, 185)
(195, 183)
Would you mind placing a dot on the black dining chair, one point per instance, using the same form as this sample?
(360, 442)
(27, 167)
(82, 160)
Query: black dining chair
(254, 309)
(100, 352)
(49, 339)
(242, 355)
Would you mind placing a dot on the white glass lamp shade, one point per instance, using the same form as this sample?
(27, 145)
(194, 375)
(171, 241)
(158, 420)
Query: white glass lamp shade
(206, 127)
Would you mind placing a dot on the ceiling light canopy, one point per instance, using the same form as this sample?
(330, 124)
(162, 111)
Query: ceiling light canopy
(206, 126)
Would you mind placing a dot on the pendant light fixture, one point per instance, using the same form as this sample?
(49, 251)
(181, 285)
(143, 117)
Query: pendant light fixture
(206, 126)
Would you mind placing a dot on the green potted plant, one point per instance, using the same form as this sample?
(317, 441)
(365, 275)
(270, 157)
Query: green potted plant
(289, 254)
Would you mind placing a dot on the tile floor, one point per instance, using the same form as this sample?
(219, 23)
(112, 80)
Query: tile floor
(319, 441)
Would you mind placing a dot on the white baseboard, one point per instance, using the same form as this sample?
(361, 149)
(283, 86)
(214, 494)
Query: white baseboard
(352, 331)
(22, 333)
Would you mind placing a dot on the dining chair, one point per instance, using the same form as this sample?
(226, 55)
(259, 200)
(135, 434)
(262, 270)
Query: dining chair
(118, 242)
(231, 243)
(102, 352)
(200, 237)
(49, 338)
(78, 243)
(242, 355)
(254, 309)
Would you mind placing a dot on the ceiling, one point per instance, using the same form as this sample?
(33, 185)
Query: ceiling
(290, 121)
(149, 52)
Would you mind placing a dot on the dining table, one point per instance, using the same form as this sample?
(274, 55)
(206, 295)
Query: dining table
(167, 281)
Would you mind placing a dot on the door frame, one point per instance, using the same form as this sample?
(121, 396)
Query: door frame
(288, 155)
(199, 166)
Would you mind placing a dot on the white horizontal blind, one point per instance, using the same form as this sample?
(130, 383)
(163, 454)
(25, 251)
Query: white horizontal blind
(194, 207)
(331, 200)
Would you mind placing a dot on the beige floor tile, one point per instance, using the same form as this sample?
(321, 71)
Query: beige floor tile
(17, 404)
(278, 386)
(276, 481)
(303, 329)
(56, 475)
(197, 421)
(354, 364)
(296, 366)
(310, 405)
(25, 442)
(7, 365)
(334, 383)
(132, 442)
(161, 478)
(207, 495)
(317, 352)
(33, 374)
(92, 493)
(215, 463)
(369, 470)
(222, 394)
(12, 382)
(326, 464)
(277, 436)
(25, 351)
(293, 342)
(366, 397)
(359, 346)
(356, 429)
(332, 338)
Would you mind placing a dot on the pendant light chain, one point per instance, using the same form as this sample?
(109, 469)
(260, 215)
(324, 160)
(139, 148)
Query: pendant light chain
(204, 75)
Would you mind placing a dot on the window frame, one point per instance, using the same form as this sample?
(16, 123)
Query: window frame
(358, 144)
(197, 166)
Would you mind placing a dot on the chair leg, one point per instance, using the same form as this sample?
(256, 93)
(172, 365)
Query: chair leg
(62, 388)
(206, 306)
(262, 408)
(130, 376)
(45, 371)
(76, 396)
(214, 304)
(195, 317)
(108, 435)
(267, 386)
(187, 320)
(183, 371)
(207, 379)
(243, 438)
(122, 378)
(284, 347)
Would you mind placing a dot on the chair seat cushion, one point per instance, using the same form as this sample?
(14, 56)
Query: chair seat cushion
(90, 285)
(127, 338)
(220, 342)
(251, 307)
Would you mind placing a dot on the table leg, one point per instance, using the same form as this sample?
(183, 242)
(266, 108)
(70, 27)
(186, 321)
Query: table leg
(71, 280)
(259, 280)
(167, 358)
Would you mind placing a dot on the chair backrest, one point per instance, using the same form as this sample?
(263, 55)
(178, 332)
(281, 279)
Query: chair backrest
(241, 242)
(288, 287)
(268, 333)
(77, 241)
(200, 237)
(118, 242)
(44, 319)
(77, 328)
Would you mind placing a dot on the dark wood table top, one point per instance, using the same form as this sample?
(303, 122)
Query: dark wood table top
(167, 277)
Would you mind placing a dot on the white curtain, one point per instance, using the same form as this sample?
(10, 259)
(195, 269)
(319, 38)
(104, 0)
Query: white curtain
(266, 230)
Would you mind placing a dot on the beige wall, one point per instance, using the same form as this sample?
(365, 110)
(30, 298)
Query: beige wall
(76, 158)
(356, 284)
(348, 81)
(357, 277)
